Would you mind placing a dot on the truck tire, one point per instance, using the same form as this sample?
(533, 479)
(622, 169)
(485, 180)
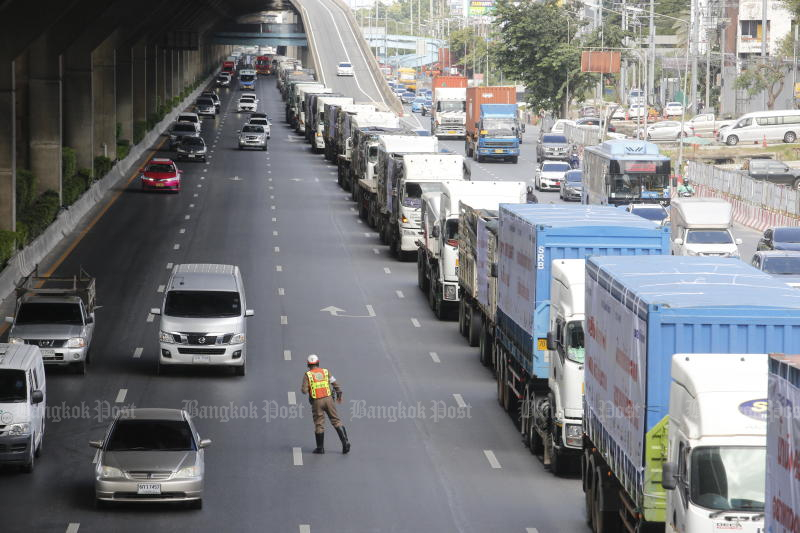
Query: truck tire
(435, 300)
(422, 281)
(790, 137)
(473, 326)
(29, 466)
(478, 157)
(603, 521)
(501, 377)
(515, 159)
(486, 347)
(558, 459)
(462, 318)
(587, 480)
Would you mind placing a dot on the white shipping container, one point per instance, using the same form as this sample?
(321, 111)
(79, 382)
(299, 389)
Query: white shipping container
(782, 503)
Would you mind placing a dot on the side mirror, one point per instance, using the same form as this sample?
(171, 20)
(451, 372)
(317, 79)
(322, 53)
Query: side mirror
(738, 241)
(90, 319)
(493, 270)
(96, 444)
(669, 476)
(37, 396)
(249, 312)
(678, 241)
(204, 443)
(435, 232)
(155, 311)
(238, 131)
(10, 319)
(551, 340)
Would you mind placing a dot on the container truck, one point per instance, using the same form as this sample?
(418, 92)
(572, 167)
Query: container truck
(318, 123)
(715, 472)
(448, 110)
(401, 181)
(491, 127)
(782, 500)
(438, 265)
(641, 311)
(407, 77)
(293, 98)
(335, 115)
(537, 342)
(299, 104)
(307, 106)
(358, 139)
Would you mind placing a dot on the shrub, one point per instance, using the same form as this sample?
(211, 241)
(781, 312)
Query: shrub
(8, 244)
(41, 214)
(139, 131)
(74, 186)
(118, 131)
(102, 165)
(22, 234)
(26, 189)
(69, 162)
(123, 147)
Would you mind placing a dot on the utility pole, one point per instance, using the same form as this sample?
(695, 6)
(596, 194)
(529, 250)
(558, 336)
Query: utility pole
(764, 40)
(694, 41)
(708, 62)
(651, 63)
(794, 65)
(623, 78)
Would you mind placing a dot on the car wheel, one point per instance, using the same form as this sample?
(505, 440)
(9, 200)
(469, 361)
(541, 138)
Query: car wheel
(240, 370)
(101, 504)
(797, 184)
(80, 368)
(732, 140)
(28, 467)
(790, 137)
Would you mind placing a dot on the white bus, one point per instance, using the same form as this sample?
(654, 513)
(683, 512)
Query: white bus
(782, 125)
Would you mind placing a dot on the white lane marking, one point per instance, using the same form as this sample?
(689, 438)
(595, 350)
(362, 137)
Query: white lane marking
(531, 530)
(270, 187)
(284, 320)
(272, 207)
(492, 459)
(399, 294)
(73, 527)
(281, 292)
(297, 457)
(360, 221)
(316, 179)
(169, 266)
(195, 195)
(274, 233)
(387, 270)
(305, 528)
(176, 246)
(278, 268)
(161, 288)
(366, 234)
(190, 206)
(292, 398)
(187, 217)
(205, 170)
(121, 395)
(435, 357)
(199, 185)
(353, 209)
(202, 177)
(137, 353)
(460, 401)
(370, 310)
(374, 250)
(150, 317)
(416, 323)
(277, 249)
(274, 219)
(182, 231)
(287, 355)
(270, 179)
(271, 196)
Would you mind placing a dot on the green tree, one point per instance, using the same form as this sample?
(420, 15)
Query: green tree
(769, 75)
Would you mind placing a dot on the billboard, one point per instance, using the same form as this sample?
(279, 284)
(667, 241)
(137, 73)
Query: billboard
(603, 62)
(480, 7)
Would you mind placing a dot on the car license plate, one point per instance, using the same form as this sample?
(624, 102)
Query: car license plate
(48, 352)
(159, 184)
(191, 155)
(451, 132)
(201, 359)
(498, 151)
(149, 488)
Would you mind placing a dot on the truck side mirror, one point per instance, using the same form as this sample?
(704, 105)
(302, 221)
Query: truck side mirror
(37, 396)
(738, 241)
(669, 476)
(551, 340)
(678, 241)
(435, 232)
(493, 270)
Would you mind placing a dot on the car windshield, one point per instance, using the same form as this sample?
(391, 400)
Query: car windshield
(728, 478)
(253, 129)
(151, 435)
(574, 178)
(222, 78)
(345, 65)
(632, 185)
(259, 121)
(782, 265)
(202, 304)
(192, 141)
(650, 213)
(49, 313)
(708, 236)
(451, 107)
(555, 167)
(787, 235)
(414, 191)
(247, 99)
(205, 102)
(554, 139)
(187, 118)
(181, 128)
(160, 168)
(12, 386)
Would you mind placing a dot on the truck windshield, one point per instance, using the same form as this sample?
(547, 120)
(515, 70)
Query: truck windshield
(782, 265)
(626, 185)
(708, 236)
(49, 313)
(12, 386)
(412, 196)
(573, 341)
(728, 478)
(451, 231)
(246, 77)
(202, 304)
(451, 107)
(373, 154)
(500, 126)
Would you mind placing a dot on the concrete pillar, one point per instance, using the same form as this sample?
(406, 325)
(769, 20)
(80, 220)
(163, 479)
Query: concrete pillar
(141, 84)
(104, 112)
(169, 73)
(124, 87)
(8, 156)
(77, 105)
(159, 79)
(22, 124)
(44, 115)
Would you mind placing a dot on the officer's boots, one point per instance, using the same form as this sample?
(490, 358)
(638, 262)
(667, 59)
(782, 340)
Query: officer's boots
(343, 437)
(320, 443)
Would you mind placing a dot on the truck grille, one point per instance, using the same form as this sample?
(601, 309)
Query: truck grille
(46, 343)
(455, 121)
(499, 144)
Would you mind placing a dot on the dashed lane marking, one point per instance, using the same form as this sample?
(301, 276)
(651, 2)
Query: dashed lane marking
(387, 270)
(169, 266)
(277, 249)
(182, 231)
(121, 395)
(400, 294)
(460, 401)
(287, 355)
(374, 250)
(187, 217)
(492, 459)
(278, 268)
(150, 317)
(274, 233)
(435, 357)
(73, 527)
(137, 353)
(305, 528)
(416, 323)
(292, 398)
(297, 456)
(281, 291)
(284, 320)
(161, 288)
(176, 246)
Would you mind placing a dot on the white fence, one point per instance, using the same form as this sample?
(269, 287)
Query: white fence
(756, 203)
(582, 135)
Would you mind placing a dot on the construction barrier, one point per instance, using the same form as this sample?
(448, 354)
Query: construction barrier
(582, 135)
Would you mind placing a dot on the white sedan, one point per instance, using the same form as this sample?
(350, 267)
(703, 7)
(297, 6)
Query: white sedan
(673, 109)
(636, 110)
(344, 69)
(666, 130)
(550, 175)
(247, 102)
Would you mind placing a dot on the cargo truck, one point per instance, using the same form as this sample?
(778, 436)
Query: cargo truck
(437, 257)
(537, 341)
(449, 104)
(402, 179)
(703, 226)
(491, 127)
(641, 311)
(715, 472)
(318, 123)
(302, 111)
(335, 116)
(359, 153)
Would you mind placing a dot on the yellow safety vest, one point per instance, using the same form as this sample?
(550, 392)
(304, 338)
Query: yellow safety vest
(318, 383)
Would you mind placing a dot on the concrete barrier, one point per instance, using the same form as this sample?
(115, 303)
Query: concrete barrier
(68, 219)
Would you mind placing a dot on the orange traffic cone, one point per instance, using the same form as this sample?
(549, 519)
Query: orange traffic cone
(764, 142)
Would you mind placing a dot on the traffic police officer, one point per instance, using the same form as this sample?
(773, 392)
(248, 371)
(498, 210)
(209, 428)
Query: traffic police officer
(320, 386)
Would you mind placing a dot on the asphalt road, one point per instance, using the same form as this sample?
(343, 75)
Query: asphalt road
(432, 449)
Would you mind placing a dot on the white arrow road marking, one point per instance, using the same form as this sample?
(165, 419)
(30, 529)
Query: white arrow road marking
(334, 311)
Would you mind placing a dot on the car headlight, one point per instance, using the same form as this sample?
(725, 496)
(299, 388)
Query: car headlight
(19, 429)
(75, 342)
(237, 338)
(109, 471)
(163, 336)
(573, 434)
(182, 150)
(188, 472)
(450, 292)
(16, 340)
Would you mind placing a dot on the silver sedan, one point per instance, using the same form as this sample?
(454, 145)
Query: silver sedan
(666, 130)
(150, 455)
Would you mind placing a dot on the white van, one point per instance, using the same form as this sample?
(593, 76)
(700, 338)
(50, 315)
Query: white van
(782, 125)
(22, 404)
(702, 226)
(203, 318)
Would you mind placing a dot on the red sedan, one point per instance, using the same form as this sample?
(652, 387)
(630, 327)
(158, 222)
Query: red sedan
(161, 174)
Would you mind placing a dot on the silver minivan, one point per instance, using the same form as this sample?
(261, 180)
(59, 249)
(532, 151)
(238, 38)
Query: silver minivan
(763, 126)
(203, 318)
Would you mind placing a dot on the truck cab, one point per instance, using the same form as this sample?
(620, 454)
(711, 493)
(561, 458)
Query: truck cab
(449, 112)
(702, 226)
(716, 470)
(497, 133)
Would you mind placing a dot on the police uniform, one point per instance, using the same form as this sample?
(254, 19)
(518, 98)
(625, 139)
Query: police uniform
(320, 386)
